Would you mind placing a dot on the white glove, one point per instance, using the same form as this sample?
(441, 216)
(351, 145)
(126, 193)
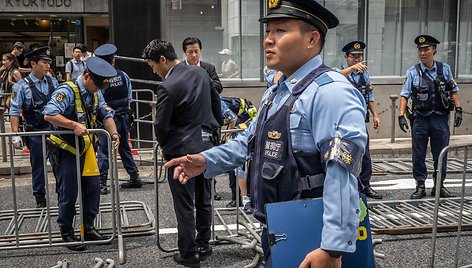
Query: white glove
(17, 142)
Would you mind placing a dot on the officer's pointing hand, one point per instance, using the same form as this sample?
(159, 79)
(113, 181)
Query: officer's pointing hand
(80, 130)
(187, 167)
(319, 258)
(403, 124)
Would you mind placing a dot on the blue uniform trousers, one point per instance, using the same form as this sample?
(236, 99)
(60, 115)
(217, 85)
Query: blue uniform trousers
(196, 193)
(366, 171)
(35, 146)
(434, 127)
(66, 174)
(122, 126)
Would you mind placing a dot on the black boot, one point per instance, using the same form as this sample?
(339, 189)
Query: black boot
(192, 261)
(369, 192)
(40, 201)
(91, 234)
(67, 235)
(204, 252)
(103, 185)
(443, 192)
(134, 182)
(420, 191)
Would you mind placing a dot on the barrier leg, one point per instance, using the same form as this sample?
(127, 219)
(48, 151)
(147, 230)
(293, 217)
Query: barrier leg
(461, 210)
(156, 197)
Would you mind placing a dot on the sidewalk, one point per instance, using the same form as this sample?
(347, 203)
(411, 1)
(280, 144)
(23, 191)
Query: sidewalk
(402, 146)
(378, 147)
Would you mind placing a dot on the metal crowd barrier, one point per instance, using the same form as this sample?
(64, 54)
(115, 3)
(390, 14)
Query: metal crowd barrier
(460, 210)
(13, 239)
(2, 128)
(248, 239)
(140, 119)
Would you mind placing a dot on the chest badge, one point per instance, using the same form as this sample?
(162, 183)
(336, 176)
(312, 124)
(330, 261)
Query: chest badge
(274, 135)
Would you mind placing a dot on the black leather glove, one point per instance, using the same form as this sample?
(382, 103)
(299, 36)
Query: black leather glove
(458, 117)
(403, 124)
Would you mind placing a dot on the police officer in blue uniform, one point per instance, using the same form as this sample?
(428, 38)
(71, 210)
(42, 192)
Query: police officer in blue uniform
(434, 94)
(118, 96)
(30, 95)
(77, 106)
(308, 138)
(356, 72)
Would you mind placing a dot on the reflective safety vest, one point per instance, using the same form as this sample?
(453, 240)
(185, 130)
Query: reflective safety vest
(67, 142)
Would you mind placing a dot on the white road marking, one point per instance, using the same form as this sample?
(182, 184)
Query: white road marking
(217, 228)
(404, 184)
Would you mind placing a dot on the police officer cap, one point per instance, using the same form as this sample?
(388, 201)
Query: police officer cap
(40, 53)
(425, 41)
(105, 51)
(100, 71)
(306, 10)
(355, 47)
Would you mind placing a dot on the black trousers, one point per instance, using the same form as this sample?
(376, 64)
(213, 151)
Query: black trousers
(196, 193)
(366, 171)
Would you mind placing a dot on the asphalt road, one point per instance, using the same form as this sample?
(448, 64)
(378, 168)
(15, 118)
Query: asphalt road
(400, 250)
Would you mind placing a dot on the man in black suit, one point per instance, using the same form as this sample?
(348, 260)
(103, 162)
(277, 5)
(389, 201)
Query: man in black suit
(188, 112)
(192, 48)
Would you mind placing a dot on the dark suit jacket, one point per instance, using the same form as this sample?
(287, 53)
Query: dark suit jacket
(187, 103)
(211, 71)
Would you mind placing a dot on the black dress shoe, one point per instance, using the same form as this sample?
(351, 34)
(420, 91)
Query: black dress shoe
(67, 235)
(137, 183)
(419, 193)
(443, 192)
(369, 192)
(204, 252)
(91, 234)
(192, 261)
(40, 201)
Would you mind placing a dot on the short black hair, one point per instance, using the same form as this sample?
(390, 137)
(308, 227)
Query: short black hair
(77, 47)
(83, 48)
(191, 41)
(157, 48)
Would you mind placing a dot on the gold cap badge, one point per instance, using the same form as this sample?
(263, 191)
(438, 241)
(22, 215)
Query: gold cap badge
(274, 135)
(274, 4)
(421, 40)
(48, 52)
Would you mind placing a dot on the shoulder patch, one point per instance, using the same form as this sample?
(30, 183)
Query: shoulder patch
(323, 80)
(60, 97)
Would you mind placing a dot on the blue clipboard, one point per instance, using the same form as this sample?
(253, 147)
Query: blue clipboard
(295, 228)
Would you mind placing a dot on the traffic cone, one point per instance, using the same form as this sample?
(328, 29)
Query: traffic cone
(90, 163)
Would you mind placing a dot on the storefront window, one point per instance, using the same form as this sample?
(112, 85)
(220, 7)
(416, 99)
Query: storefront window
(465, 38)
(393, 26)
(224, 27)
(350, 28)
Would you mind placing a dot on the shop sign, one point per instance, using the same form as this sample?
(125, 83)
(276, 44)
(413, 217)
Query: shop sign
(51, 6)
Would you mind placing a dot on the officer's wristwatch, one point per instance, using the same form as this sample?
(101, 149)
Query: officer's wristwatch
(116, 135)
(333, 253)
